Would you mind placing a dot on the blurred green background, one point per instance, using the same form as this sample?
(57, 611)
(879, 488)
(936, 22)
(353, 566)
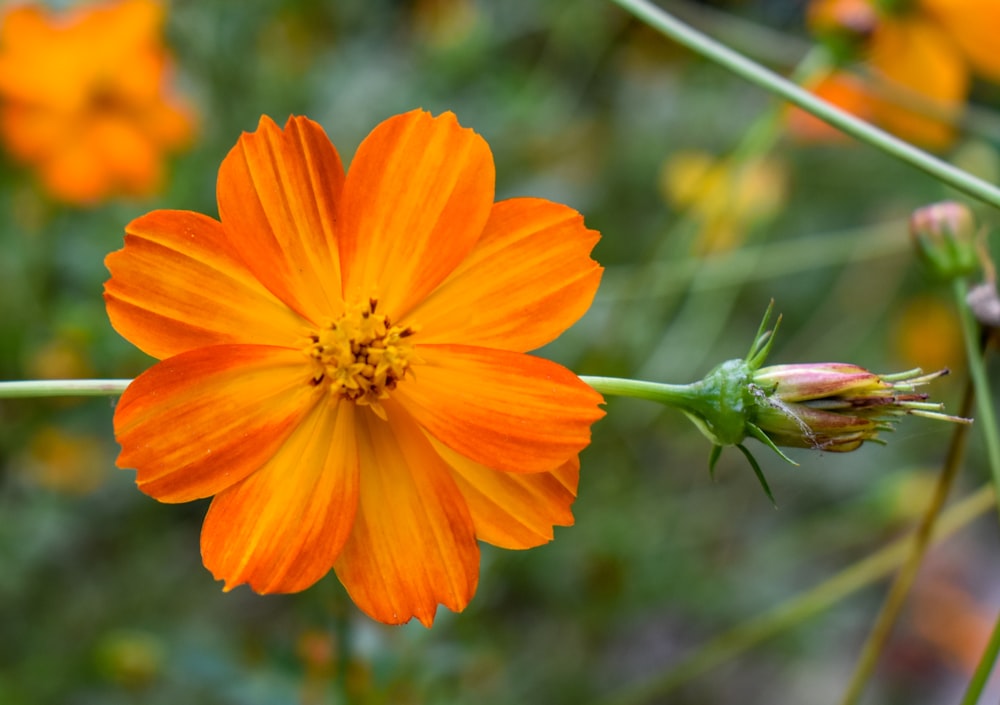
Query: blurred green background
(103, 598)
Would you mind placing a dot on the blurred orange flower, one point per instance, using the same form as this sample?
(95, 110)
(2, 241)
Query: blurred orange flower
(921, 55)
(343, 363)
(85, 99)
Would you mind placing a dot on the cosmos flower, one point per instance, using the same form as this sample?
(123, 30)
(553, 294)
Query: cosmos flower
(84, 98)
(343, 363)
(920, 54)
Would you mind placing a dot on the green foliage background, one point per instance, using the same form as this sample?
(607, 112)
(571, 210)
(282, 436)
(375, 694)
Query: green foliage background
(103, 598)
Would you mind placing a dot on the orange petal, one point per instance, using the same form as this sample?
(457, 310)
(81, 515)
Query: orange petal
(77, 174)
(529, 278)
(203, 420)
(514, 510)
(505, 410)
(34, 135)
(177, 285)
(277, 192)
(413, 545)
(921, 63)
(973, 25)
(282, 528)
(129, 154)
(416, 199)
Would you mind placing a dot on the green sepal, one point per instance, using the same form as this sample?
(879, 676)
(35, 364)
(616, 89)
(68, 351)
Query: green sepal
(713, 459)
(757, 433)
(758, 472)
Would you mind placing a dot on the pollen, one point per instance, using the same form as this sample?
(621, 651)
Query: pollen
(361, 356)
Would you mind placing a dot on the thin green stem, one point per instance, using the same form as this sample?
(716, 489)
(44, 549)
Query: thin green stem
(770, 81)
(901, 585)
(987, 422)
(985, 418)
(639, 389)
(804, 606)
(63, 388)
(982, 673)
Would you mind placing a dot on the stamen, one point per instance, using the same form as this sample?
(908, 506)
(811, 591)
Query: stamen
(361, 355)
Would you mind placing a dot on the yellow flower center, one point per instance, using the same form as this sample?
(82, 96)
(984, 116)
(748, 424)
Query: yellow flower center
(361, 355)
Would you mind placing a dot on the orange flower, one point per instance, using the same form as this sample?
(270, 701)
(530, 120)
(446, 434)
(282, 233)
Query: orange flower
(343, 363)
(922, 54)
(85, 100)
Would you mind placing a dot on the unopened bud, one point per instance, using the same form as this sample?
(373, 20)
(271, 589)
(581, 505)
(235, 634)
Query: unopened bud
(828, 406)
(946, 239)
(855, 17)
(844, 26)
(834, 406)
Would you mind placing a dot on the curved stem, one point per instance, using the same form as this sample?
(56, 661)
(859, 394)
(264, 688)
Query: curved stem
(63, 388)
(770, 81)
(987, 422)
(985, 418)
(901, 585)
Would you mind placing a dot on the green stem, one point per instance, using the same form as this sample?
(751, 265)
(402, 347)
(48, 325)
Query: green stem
(770, 81)
(669, 394)
(987, 422)
(982, 673)
(901, 585)
(985, 418)
(806, 605)
(63, 388)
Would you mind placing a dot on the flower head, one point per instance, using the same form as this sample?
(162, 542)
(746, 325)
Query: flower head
(821, 406)
(921, 55)
(343, 363)
(85, 99)
(835, 406)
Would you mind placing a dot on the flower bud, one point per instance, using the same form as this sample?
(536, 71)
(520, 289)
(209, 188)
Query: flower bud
(946, 239)
(857, 18)
(829, 406)
(844, 26)
(834, 406)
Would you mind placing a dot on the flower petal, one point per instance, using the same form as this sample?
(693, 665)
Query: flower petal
(282, 528)
(505, 410)
(416, 199)
(177, 285)
(413, 545)
(529, 278)
(203, 420)
(973, 25)
(916, 56)
(278, 192)
(514, 510)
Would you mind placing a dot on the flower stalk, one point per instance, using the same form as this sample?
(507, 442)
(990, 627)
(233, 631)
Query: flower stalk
(63, 388)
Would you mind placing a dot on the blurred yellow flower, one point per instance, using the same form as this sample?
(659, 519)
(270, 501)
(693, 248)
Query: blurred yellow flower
(85, 99)
(726, 198)
(921, 56)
